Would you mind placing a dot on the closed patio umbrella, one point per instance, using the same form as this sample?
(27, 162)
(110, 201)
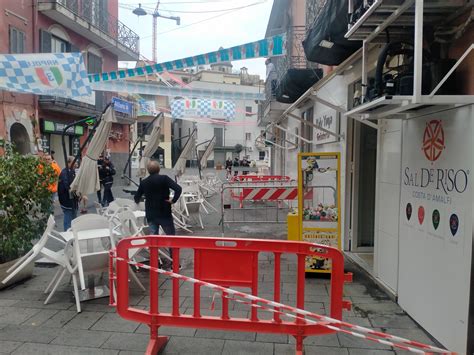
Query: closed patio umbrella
(180, 166)
(87, 178)
(207, 153)
(151, 147)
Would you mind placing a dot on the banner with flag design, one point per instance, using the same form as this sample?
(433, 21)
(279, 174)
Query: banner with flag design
(55, 74)
(203, 108)
(267, 47)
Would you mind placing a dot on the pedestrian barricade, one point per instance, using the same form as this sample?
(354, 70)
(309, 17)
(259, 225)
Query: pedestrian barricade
(255, 178)
(221, 264)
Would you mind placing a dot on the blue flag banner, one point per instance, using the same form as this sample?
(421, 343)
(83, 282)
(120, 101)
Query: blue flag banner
(134, 87)
(268, 47)
(55, 74)
(203, 108)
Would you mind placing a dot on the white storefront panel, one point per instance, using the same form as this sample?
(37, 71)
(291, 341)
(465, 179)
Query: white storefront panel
(436, 223)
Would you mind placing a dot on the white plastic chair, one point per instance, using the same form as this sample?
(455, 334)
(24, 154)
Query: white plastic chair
(35, 250)
(125, 202)
(194, 208)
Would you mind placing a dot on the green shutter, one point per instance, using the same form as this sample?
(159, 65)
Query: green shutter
(48, 126)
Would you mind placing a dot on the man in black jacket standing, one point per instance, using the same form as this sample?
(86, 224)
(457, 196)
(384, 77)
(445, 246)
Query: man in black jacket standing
(156, 189)
(67, 199)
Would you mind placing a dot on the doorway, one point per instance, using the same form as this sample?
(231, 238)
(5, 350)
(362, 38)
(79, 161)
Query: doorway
(363, 184)
(20, 139)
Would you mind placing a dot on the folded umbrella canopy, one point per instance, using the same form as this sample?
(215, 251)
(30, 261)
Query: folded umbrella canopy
(87, 178)
(207, 153)
(151, 147)
(180, 166)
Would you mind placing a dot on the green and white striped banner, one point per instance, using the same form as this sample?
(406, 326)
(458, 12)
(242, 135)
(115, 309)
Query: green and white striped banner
(267, 47)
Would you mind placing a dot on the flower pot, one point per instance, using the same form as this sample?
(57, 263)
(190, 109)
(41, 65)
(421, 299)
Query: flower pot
(27, 272)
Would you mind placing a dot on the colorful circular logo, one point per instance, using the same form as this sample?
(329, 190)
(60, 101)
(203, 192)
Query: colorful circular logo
(433, 140)
(454, 224)
(421, 214)
(409, 210)
(435, 219)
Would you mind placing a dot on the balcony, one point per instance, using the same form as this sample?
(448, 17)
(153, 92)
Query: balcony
(94, 22)
(294, 75)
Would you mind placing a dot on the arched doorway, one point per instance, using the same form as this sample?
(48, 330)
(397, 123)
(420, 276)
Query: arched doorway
(20, 139)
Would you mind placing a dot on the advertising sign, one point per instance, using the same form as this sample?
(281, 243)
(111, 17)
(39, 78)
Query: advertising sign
(318, 211)
(122, 106)
(146, 108)
(436, 223)
(328, 120)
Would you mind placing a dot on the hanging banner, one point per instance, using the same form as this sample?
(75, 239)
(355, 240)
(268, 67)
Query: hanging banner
(267, 47)
(146, 108)
(55, 74)
(203, 108)
(161, 90)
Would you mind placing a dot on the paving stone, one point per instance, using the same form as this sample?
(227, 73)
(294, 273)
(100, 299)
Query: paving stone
(6, 347)
(245, 347)
(14, 315)
(127, 341)
(92, 307)
(350, 341)
(284, 349)
(85, 338)
(84, 320)
(112, 322)
(376, 308)
(392, 321)
(319, 340)
(272, 338)
(126, 352)
(221, 334)
(363, 322)
(370, 352)
(412, 334)
(180, 331)
(195, 346)
(7, 303)
(49, 349)
(60, 319)
(40, 304)
(368, 299)
(41, 317)
(37, 334)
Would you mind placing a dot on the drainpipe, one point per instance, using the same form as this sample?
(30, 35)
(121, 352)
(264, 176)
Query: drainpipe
(34, 10)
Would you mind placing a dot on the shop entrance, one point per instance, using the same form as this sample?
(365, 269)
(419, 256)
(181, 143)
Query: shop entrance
(363, 174)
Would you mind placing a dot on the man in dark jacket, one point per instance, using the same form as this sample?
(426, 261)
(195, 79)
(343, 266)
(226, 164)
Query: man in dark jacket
(68, 201)
(106, 176)
(156, 189)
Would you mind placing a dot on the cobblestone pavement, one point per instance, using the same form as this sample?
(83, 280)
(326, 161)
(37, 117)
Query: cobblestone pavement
(27, 326)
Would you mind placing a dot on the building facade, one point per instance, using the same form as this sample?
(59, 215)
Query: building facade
(35, 123)
(405, 139)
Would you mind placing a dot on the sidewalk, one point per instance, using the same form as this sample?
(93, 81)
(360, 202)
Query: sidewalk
(29, 327)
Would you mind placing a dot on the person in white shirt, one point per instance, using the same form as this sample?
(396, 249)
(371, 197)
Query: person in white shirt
(271, 74)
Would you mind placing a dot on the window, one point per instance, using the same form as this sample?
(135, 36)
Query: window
(94, 63)
(141, 127)
(185, 80)
(307, 130)
(58, 45)
(297, 133)
(261, 155)
(248, 111)
(17, 40)
(248, 136)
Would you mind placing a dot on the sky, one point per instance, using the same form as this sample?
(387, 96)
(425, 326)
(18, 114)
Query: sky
(218, 28)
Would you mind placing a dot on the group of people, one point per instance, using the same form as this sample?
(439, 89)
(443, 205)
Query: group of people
(236, 163)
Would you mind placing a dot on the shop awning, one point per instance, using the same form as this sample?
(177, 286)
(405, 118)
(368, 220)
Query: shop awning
(325, 42)
(295, 82)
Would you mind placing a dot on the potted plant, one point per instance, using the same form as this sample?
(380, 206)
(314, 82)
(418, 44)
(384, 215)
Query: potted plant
(25, 203)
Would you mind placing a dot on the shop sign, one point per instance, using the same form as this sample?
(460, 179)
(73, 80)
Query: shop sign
(146, 108)
(76, 145)
(45, 145)
(122, 106)
(328, 120)
(57, 128)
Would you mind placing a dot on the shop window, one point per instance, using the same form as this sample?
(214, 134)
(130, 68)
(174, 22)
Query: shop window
(261, 155)
(17, 40)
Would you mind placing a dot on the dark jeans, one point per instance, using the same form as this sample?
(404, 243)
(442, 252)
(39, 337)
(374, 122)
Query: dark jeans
(69, 215)
(168, 227)
(99, 194)
(108, 197)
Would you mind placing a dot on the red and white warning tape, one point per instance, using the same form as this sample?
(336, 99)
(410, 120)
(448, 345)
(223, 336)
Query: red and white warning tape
(355, 330)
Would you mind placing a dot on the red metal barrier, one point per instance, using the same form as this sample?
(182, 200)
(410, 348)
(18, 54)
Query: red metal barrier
(228, 263)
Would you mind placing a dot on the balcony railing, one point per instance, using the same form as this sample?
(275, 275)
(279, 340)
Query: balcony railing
(294, 59)
(96, 13)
